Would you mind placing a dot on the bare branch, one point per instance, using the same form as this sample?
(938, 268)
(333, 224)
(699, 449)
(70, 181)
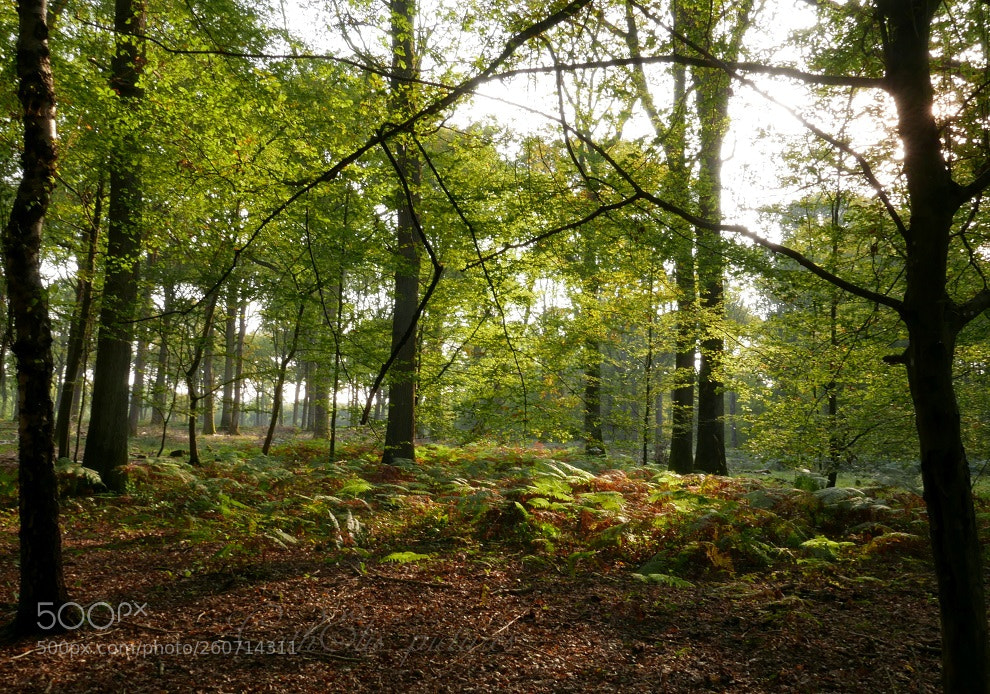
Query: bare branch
(576, 224)
(779, 249)
(434, 260)
(818, 132)
(735, 66)
(703, 223)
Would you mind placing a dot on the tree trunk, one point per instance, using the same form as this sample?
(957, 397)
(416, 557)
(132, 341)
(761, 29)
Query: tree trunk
(79, 330)
(337, 356)
(648, 414)
(307, 404)
(280, 381)
(733, 423)
(209, 401)
(713, 90)
(159, 395)
(594, 441)
(138, 396)
(295, 397)
(681, 456)
(319, 390)
(230, 346)
(193, 375)
(832, 403)
(42, 583)
(137, 389)
(106, 439)
(400, 430)
(234, 426)
(933, 320)
(5, 339)
(952, 519)
(713, 111)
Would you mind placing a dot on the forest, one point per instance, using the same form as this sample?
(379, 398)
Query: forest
(588, 345)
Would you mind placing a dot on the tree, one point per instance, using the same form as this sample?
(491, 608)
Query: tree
(78, 332)
(713, 90)
(193, 372)
(288, 354)
(821, 402)
(400, 431)
(675, 143)
(106, 440)
(934, 320)
(890, 46)
(42, 582)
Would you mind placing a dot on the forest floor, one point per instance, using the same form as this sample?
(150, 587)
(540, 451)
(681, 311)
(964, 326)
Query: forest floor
(477, 569)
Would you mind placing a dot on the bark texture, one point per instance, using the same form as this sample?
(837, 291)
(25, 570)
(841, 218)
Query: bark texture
(42, 582)
(106, 440)
(400, 429)
(933, 320)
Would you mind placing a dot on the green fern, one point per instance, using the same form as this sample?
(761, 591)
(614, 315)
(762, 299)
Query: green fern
(74, 479)
(607, 501)
(663, 580)
(568, 472)
(355, 487)
(551, 488)
(538, 502)
(405, 557)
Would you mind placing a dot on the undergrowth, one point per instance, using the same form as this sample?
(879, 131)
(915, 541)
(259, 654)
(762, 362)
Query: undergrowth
(551, 509)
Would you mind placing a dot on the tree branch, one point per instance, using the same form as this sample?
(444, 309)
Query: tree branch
(576, 224)
(780, 249)
(734, 66)
(488, 278)
(434, 281)
(703, 223)
(975, 187)
(969, 310)
(389, 131)
(818, 132)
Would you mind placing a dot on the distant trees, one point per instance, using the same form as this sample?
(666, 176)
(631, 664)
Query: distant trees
(823, 401)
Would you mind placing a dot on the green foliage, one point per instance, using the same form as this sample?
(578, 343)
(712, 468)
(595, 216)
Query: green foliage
(818, 394)
(76, 480)
(355, 487)
(542, 504)
(405, 557)
(663, 580)
(823, 548)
